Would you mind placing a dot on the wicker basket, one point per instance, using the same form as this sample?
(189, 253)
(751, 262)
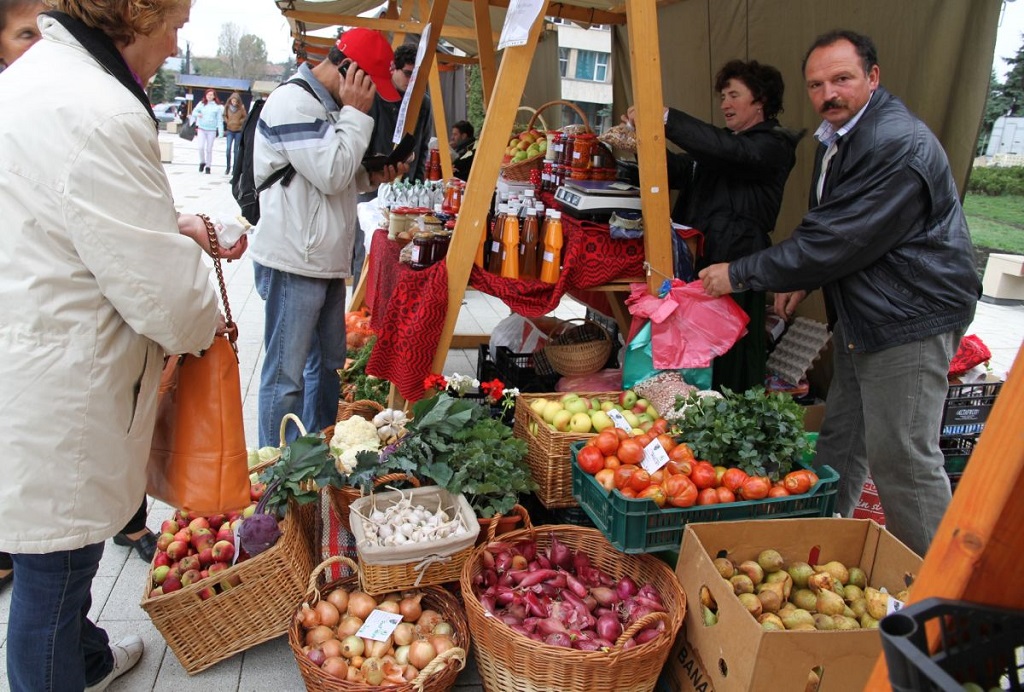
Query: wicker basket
(431, 566)
(341, 498)
(364, 408)
(508, 660)
(438, 676)
(519, 172)
(547, 451)
(249, 603)
(579, 350)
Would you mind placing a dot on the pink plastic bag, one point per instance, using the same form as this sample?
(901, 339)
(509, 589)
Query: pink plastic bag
(688, 327)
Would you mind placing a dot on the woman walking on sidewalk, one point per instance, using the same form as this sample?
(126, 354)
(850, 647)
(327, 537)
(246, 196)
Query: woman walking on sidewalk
(208, 117)
(234, 121)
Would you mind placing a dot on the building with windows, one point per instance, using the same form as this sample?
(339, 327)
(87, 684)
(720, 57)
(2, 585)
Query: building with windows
(585, 65)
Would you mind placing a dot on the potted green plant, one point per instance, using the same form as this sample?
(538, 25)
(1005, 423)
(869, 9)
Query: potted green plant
(455, 443)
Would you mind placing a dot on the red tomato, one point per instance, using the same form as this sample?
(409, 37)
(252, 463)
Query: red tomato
(643, 440)
(733, 479)
(622, 475)
(719, 472)
(607, 441)
(680, 467)
(667, 441)
(778, 491)
(606, 477)
(799, 482)
(725, 495)
(707, 496)
(681, 452)
(680, 491)
(654, 493)
(659, 476)
(628, 493)
(660, 425)
(630, 452)
(621, 434)
(703, 475)
(755, 488)
(612, 462)
(590, 459)
(639, 480)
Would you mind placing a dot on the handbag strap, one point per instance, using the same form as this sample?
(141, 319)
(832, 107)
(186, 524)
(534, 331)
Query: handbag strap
(215, 253)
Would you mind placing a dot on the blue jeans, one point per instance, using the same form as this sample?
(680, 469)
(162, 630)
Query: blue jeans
(883, 415)
(52, 645)
(234, 139)
(300, 312)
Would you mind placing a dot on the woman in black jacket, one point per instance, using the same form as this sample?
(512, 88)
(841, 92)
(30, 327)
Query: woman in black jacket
(730, 183)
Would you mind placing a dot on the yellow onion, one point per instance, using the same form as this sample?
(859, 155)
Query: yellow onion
(427, 621)
(404, 634)
(328, 614)
(361, 604)
(441, 643)
(307, 617)
(349, 626)
(421, 653)
(332, 648)
(351, 647)
(389, 607)
(336, 667)
(402, 654)
(318, 635)
(410, 608)
(339, 599)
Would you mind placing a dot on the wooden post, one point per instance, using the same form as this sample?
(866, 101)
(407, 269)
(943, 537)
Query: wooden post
(645, 67)
(485, 49)
(472, 221)
(440, 122)
(976, 553)
(438, 10)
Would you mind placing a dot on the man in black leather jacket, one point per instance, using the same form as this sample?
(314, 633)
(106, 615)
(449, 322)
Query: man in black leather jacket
(887, 242)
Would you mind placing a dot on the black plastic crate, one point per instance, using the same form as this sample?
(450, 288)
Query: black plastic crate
(968, 406)
(486, 369)
(516, 370)
(978, 644)
(957, 449)
(612, 327)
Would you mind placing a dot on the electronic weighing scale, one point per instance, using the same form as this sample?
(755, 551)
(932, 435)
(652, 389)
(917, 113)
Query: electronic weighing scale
(597, 199)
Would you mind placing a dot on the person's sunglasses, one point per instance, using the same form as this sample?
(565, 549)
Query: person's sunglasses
(407, 73)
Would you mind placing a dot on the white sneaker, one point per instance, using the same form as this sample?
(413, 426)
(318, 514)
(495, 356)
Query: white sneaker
(127, 652)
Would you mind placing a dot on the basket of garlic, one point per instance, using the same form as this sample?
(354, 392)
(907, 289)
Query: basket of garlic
(412, 538)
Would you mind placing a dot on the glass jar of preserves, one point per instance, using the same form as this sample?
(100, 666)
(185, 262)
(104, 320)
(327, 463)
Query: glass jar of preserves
(583, 150)
(422, 250)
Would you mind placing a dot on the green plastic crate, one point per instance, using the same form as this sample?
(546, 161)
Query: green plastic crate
(640, 526)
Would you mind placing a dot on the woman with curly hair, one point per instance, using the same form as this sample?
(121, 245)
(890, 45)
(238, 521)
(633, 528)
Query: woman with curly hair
(85, 320)
(731, 182)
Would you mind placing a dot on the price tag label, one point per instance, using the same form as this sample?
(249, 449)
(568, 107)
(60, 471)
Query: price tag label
(379, 625)
(892, 605)
(234, 535)
(655, 457)
(619, 421)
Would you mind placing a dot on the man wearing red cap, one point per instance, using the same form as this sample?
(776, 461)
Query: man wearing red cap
(302, 246)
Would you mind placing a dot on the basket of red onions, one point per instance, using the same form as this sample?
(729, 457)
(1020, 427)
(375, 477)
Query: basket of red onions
(558, 608)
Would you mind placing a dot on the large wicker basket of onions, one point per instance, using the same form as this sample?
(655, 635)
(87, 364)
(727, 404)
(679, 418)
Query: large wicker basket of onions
(425, 652)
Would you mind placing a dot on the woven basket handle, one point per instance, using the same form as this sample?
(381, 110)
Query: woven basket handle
(573, 106)
(284, 425)
(642, 624)
(534, 115)
(492, 527)
(396, 478)
(312, 593)
(439, 662)
(562, 327)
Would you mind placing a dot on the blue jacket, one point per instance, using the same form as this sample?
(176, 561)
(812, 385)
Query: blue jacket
(888, 242)
(209, 116)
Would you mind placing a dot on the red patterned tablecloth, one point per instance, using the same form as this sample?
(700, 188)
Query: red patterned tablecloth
(408, 307)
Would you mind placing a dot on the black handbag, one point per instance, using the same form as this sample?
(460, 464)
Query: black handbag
(187, 131)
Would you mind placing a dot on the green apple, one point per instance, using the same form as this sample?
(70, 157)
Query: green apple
(646, 425)
(574, 404)
(631, 418)
(561, 420)
(550, 409)
(580, 423)
(636, 431)
(607, 406)
(653, 412)
(628, 399)
(641, 404)
(595, 403)
(537, 405)
(600, 420)
(644, 418)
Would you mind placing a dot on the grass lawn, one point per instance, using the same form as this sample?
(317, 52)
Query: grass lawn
(996, 222)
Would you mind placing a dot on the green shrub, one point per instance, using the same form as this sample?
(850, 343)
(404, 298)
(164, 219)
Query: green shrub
(995, 181)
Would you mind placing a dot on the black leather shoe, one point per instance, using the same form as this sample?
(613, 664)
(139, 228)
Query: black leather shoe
(145, 545)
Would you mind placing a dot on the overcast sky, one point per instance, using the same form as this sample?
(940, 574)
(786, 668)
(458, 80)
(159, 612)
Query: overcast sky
(261, 17)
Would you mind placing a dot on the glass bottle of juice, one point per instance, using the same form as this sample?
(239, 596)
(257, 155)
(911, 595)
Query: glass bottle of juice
(494, 251)
(551, 253)
(528, 241)
(510, 247)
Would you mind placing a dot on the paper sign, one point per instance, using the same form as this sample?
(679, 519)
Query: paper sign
(403, 110)
(518, 19)
(892, 605)
(379, 625)
(655, 457)
(620, 422)
(234, 534)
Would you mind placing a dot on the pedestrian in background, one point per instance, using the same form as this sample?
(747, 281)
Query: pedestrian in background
(234, 121)
(208, 117)
(887, 242)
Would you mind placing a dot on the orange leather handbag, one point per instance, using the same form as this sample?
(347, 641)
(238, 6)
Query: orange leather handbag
(198, 461)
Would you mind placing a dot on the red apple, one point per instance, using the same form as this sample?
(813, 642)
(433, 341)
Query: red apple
(164, 540)
(184, 535)
(225, 533)
(206, 556)
(160, 559)
(198, 537)
(215, 521)
(177, 550)
(171, 584)
(169, 526)
(204, 573)
(190, 577)
(206, 593)
(223, 551)
(160, 574)
(199, 523)
(158, 591)
(256, 491)
(217, 567)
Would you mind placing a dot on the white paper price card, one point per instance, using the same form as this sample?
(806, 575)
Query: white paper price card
(892, 605)
(655, 457)
(379, 625)
(619, 421)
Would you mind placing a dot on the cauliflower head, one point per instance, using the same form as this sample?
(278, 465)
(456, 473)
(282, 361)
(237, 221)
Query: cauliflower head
(354, 432)
(346, 461)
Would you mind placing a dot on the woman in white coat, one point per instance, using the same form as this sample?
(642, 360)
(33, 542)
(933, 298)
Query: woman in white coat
(97, 284)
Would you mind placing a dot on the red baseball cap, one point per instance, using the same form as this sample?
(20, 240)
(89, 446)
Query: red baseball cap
(372, 52)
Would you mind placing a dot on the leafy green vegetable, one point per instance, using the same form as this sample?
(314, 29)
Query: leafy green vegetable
(355, 381)
(760, 432)
(304, 467)
(455, 444)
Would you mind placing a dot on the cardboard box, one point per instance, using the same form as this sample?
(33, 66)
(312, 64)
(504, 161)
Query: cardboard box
(737, 653)
(683, 671)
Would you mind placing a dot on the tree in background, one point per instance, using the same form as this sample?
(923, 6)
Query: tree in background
(252, 57)
(241, 55)
(475, 98)
(162, 89)
(1006, 98)
(228, 46)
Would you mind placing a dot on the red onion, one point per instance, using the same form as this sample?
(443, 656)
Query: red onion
(608, 627)
(604, 596)
(543, 561)
(601, 610)
(487, 558)
(505, 595)
(559, 554)
(511, 620)
(604, 643)
(537, 577)
(550, 626)
(590, 602)
(531, 623)
(628, 644)
(502, 561)
(535, 606)
(581, 562)
(625, 588)
(586, 645)
(488, 603)
(528, 549)
(655, 606)
(316, 657)
(558, 639)
(576, 585)
(648, 591)
(516, 610)
(646, 635)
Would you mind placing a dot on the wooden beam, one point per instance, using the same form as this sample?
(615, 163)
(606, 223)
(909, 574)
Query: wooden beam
(584, 15)
(440, 122)
(975, 555)
(472, 221)
(438, 11)
(459, 32)
(398, 38)
(485, 50)
(645, 66)
(447, 58)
